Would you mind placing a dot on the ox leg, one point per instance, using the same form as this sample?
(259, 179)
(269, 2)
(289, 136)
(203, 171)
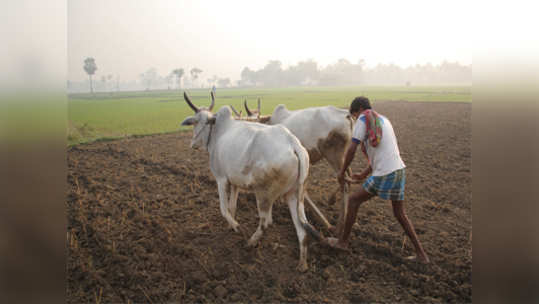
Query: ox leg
(222, 186)
(233, 200)
(269, 219)
(292, 201)
(264, 213)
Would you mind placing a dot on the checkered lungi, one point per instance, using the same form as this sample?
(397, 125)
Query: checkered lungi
(389, 187)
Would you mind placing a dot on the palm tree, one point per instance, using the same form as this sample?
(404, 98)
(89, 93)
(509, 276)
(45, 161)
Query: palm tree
(90, 67)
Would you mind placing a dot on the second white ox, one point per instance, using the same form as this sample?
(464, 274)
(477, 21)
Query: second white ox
(325, 132)
(267, 160)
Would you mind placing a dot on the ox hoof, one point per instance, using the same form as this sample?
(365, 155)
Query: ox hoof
(252, 243)
(234, 226)
(302, 267)
(423, 260)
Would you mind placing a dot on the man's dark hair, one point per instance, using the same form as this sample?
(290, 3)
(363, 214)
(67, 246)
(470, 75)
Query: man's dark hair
(358, 102)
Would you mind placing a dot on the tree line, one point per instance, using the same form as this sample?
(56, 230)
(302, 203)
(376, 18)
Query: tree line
(343, 72)
(147, 80)
(304, 73)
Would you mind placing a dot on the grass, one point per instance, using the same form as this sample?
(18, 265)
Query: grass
(108, 116)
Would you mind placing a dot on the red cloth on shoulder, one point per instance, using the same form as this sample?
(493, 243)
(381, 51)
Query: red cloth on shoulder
(373, 123)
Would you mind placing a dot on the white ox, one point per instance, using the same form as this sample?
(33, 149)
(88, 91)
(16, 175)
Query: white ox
(325, 132)
(267, 160)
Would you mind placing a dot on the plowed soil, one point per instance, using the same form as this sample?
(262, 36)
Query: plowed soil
(144, 225)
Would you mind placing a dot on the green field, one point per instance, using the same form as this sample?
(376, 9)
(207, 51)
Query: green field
(107, 116)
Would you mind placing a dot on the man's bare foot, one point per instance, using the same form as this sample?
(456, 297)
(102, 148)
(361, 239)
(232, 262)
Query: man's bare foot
(424, 260)
(336, 243)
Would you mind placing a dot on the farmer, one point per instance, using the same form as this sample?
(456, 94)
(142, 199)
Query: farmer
(374, 133)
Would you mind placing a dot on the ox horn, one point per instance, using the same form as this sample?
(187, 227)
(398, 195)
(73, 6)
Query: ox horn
(188, 100)
(212, 101)
(249, 113)
(235, 112)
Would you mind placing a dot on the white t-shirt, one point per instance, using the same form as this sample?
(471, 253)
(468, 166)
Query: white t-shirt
(385, 158)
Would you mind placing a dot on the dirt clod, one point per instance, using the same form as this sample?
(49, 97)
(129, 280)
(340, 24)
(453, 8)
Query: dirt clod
(198, 277)
(220, 292)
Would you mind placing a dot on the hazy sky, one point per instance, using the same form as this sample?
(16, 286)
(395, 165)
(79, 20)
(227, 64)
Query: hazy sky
(127, 37)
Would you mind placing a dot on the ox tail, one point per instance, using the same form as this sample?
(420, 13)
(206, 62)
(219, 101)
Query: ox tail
(303, 171)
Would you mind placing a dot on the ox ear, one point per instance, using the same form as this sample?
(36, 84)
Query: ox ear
(191, 120)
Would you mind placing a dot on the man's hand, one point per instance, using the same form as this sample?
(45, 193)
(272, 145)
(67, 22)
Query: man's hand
(360, 176)
(356, 178)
